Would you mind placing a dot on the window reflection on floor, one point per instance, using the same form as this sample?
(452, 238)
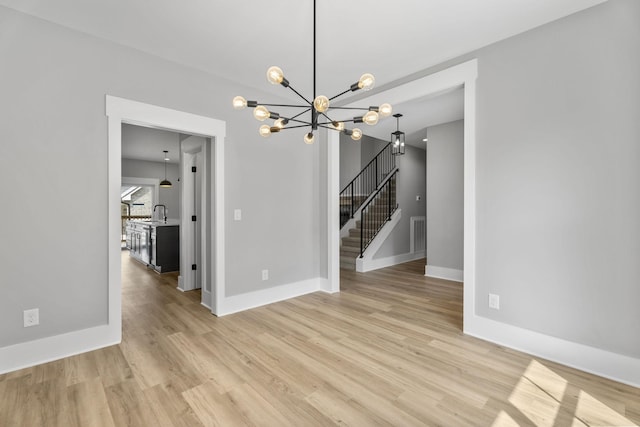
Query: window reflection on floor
(547, 399)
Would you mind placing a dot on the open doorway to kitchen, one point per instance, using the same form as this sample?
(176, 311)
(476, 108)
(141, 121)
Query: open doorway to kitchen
(122, 111)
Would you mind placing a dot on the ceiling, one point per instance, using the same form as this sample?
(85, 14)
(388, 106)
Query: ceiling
(239, 40)
(143, 143)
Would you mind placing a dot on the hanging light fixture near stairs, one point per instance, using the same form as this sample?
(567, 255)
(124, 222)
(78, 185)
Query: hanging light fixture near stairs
(165, 183)
(397, 138)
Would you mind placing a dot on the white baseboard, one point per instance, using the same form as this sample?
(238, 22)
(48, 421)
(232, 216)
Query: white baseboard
(443, 273)
(376, 263)
(31, 353)
(236, 303)
(599, 362)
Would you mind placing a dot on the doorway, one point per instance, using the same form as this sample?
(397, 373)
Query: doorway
(464, 74)
(195, 199)
(120, 110)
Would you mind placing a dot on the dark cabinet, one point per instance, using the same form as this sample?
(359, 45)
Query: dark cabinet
(165, 248)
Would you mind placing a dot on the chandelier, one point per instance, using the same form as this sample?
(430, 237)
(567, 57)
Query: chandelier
(319, 108)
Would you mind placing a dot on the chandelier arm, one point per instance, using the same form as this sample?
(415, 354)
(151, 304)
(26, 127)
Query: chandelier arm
(298, 93)
(284, 105)
(298, 121)
(299, 114)
(326, 126)
(340, 94)
(295, 127)
(350, 108)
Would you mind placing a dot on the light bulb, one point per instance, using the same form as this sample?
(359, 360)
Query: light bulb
(239, 103)
(261, 113)
(385, 110)
(275, 76)
(321, 103)
(308, 138)
(265, 131)
(356, 134)
(338, 125)
(280, 123)
(366, 81)
(397, 142)
(370, 118)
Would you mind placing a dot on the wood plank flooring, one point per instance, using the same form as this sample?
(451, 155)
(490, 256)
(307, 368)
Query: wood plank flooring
(387, 350)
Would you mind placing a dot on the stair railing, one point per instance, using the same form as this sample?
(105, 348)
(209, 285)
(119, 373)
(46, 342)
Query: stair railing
(365, 183)
(377, 211)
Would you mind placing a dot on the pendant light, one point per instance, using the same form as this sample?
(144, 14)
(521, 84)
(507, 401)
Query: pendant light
(397, 138)
(165, 183)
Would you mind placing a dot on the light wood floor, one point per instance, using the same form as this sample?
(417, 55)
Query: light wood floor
(388, 350)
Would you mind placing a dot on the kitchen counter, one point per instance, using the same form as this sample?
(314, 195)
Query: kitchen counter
(159, 223)
(155, 243)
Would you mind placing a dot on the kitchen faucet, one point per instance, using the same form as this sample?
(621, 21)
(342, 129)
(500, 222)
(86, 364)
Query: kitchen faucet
(164, 210)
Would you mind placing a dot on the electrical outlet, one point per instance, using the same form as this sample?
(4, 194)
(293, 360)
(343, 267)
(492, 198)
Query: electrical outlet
(31, 317)
(265, 274)
(494, 301)
(237, 215)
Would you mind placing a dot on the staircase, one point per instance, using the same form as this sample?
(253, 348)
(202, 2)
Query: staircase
(373, 215)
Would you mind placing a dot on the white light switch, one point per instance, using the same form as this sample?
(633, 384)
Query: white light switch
(237, 215)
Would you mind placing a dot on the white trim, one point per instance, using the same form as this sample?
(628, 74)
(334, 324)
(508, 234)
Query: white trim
(31, 353)
(365, 263)
(120, 110)
(237, 303)
(377, 263)
(443, 273)
(333, 212)
(610, 365)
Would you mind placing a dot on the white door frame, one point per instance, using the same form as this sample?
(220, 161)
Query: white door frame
(187, 236)
(120, 110)
(465, 75)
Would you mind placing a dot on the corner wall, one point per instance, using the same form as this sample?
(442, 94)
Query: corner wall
(445, 200)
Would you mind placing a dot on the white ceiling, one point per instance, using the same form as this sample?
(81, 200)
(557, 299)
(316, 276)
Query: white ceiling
(142, 143)
(239, 40)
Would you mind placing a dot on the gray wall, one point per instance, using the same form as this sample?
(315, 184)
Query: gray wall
(350, 164)
(170, 197)
(445, 195)
(410, 182)
(558, 182)
(53, 82)
(370, 147)
(355, 155)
